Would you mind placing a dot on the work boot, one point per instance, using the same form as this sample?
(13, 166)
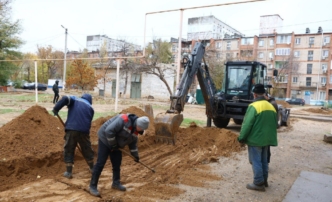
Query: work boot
(255, 187)
(93, 185)
(68, 174)
(116, 182)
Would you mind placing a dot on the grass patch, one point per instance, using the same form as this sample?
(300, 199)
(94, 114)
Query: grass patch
(29, 98)
(5, 111)
(164, 107)
(186, 122)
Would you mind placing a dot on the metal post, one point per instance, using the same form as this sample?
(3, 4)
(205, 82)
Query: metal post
(179, 50)
(64, 61)
(117, 84)
(36, 82)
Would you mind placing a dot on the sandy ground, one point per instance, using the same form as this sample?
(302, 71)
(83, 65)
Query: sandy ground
(205, 165)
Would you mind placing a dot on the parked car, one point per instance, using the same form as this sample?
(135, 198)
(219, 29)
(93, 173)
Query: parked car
(32, 86)
(296, 101)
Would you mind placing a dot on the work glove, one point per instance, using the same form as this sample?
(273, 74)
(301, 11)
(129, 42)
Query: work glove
(55, 112)
(114, 147)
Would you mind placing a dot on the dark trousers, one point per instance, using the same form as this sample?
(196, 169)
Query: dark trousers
(56, 98)
(103, 153)
(72, 138)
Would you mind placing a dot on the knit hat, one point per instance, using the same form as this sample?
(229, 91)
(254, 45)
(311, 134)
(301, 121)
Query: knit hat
(259, 89)
(143, 122)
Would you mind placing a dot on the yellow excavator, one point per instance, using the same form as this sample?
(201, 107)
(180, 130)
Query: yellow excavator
(231, 101)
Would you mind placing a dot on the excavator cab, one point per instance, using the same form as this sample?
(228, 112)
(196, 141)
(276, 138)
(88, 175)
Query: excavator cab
(240, 78)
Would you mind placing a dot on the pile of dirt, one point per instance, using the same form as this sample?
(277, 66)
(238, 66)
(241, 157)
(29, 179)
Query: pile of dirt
(319, 111)
(32, 144)
(283, 103)
(31, 140)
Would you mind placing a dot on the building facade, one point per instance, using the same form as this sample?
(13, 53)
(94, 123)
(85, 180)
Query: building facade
(303, 61)
(209, 27)
(96, 42)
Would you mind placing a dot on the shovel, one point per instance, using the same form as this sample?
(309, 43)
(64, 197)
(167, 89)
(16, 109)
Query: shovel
(124, 151)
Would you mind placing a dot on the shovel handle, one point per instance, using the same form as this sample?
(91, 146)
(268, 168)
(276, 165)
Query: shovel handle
(124, 151)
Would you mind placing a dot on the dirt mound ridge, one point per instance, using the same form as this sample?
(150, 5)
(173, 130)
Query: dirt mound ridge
(319, 111)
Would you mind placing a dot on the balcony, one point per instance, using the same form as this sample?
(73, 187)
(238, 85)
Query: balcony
(281, 85)
(308, 85)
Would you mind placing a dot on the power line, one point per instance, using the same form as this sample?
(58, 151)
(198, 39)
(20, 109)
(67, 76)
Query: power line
(76, 41)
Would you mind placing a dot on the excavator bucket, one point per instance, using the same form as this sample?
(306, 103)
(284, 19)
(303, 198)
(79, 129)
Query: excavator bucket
(166, 125)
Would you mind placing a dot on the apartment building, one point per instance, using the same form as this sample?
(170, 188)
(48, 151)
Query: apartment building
(209, 27)
(95, 43)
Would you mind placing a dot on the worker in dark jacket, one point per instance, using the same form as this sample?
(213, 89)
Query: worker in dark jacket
(259, 131)
(56, 92)
(117, 132)
(77, 129)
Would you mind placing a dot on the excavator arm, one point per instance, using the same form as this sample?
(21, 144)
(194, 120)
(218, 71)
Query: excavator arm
(167, 124)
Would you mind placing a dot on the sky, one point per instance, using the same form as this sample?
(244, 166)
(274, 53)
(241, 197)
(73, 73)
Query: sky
(41, 20)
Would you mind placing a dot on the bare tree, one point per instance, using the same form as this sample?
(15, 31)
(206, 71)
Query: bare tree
(50, 68)
(157, 54)
(287, 67)
(104, 66)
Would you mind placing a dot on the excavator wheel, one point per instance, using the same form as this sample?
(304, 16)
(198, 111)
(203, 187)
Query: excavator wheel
(238, 121)
(221, 122)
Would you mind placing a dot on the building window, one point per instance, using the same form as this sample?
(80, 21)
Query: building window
(282, 51)
(325, 53)
(326, 40)
(311, 40)
(298, 41)
(247, 41)
(218, 45)
(261, 55)
(322, 95)
(309, 68)
(261, 43)
(294, 79)
(218, 55)
(324, 68)
(330, 78)
(228, 55)
(271, 55)
(323, 80)
(271, 42)
(283, 39)
(174, 48)
(296, 54)
(228, 45)
(310, 55)
(270, 66)
(308, 81)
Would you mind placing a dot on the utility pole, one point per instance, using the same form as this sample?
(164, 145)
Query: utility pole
(64, 61)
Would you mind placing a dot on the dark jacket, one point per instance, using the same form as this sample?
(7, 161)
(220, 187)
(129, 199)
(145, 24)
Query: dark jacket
(80, 112)
(259, 127)
(120, 130)
(56, 87)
